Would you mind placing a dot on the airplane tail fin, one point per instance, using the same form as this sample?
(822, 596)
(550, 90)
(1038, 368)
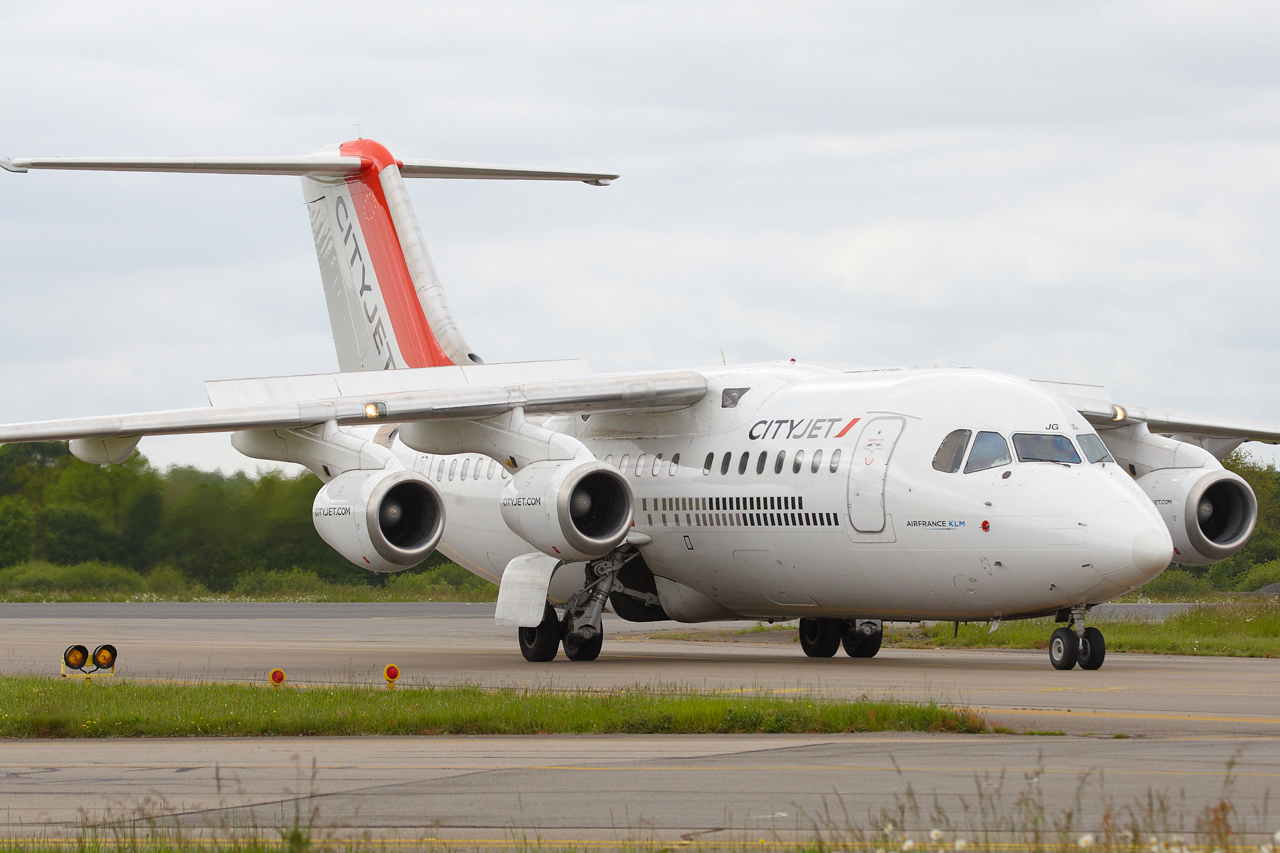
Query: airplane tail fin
(386, 305)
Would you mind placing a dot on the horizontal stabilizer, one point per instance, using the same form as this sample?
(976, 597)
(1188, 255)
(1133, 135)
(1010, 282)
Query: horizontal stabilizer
(315, 165)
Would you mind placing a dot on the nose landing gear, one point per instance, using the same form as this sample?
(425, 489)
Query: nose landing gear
(1077, 644)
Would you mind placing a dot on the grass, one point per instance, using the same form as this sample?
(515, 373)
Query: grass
(36, 707)
(41, 582)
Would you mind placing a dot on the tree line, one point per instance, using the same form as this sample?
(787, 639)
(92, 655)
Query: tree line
(209, 526)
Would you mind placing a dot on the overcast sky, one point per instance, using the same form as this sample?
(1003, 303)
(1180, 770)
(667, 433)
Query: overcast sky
(1078, 191)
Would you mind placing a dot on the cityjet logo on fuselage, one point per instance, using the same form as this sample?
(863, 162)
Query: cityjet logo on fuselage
(332, 510)
(531, 501)
(806, 428)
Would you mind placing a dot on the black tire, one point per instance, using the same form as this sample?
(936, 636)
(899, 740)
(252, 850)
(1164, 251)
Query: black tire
(858, 645)
(1093, 649)
(540, 644)
(1064, 648)
(820, 638)
(590, 650)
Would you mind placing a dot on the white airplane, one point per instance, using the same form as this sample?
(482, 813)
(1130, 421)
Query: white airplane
(843, 496)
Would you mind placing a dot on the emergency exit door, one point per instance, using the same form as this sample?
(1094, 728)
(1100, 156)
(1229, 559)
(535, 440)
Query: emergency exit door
(867, 471)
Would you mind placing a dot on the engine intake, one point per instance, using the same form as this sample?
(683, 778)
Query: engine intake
(1210, 513)
(384, 521)
(571, 510)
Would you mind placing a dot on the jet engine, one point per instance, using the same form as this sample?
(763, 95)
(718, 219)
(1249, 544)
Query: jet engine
(384, 521)
(1210, 512)
(572, 510)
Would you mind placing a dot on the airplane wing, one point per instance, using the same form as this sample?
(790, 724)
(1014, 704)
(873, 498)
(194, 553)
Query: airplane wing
(1101, 409)
(287, 402)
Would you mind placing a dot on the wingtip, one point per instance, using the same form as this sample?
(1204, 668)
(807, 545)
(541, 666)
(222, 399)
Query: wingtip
(7, 165)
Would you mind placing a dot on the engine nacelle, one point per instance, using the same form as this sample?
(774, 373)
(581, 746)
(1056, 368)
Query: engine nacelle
(570, 510)
(1210, 512)
(384, 521)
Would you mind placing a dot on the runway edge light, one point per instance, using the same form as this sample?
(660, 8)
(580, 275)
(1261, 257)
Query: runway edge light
(391, 672)
(277, 677)
(75, 657)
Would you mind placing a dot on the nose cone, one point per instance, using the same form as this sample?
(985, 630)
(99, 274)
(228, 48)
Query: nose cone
(1128, 544)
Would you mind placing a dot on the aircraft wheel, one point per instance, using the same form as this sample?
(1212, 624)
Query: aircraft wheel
(539, 645)
(1064, 648)
(859, 645)
(1093, 649)
(590, 650)
(820, 637)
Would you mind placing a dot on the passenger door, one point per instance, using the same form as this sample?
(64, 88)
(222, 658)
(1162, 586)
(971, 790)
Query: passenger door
(867, 471)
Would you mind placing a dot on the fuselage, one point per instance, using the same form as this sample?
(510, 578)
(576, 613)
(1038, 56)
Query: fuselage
(808, 490)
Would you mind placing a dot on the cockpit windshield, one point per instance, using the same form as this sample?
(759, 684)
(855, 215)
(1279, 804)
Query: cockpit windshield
(1094, 449)
(1045, 448)
(989, 451)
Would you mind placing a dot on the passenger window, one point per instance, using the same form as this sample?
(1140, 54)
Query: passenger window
(657, 463)
(639, 464)
(817, 461)
(440, 472)
(466, 465)
(479, 465)
(626, 460)
(1094, 449)
(675, 463)
(1045, 448)
(780, 462)
(742, 463)
(453, 467)
(762, 461)
(706, 466)
(835, 460)
(989, 451)
(798, 462)
(951, 452)
(608, 460)
(724, 463)
(493, 467)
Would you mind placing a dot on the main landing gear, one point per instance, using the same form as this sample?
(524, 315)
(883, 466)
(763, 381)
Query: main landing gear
(1077, 644)
(581, 629)
(822, 638)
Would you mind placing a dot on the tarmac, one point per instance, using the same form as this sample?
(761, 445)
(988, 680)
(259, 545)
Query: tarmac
(1177, 732)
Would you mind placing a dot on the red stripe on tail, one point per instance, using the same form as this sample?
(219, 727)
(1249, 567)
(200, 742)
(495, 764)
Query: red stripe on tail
(418, 344)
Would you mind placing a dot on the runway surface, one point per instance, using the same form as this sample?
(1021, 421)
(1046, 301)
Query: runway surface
(1183, 719)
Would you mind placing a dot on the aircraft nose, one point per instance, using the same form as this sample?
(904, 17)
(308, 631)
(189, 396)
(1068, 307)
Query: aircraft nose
(1129, 545)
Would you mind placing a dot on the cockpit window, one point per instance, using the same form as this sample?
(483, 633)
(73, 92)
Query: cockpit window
(1045, 448)
(1094, 449)
(989, 451)
(951, 452)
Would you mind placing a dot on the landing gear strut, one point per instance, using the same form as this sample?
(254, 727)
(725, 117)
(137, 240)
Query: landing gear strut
(1077, 644)
(582, 628)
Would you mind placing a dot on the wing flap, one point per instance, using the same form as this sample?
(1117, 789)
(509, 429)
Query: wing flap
(620, 392)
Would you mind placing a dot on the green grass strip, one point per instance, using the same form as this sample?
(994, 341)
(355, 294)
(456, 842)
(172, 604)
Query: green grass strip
(36, 707)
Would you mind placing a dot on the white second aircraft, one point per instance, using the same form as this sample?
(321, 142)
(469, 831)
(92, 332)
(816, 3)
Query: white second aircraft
(842, 496)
